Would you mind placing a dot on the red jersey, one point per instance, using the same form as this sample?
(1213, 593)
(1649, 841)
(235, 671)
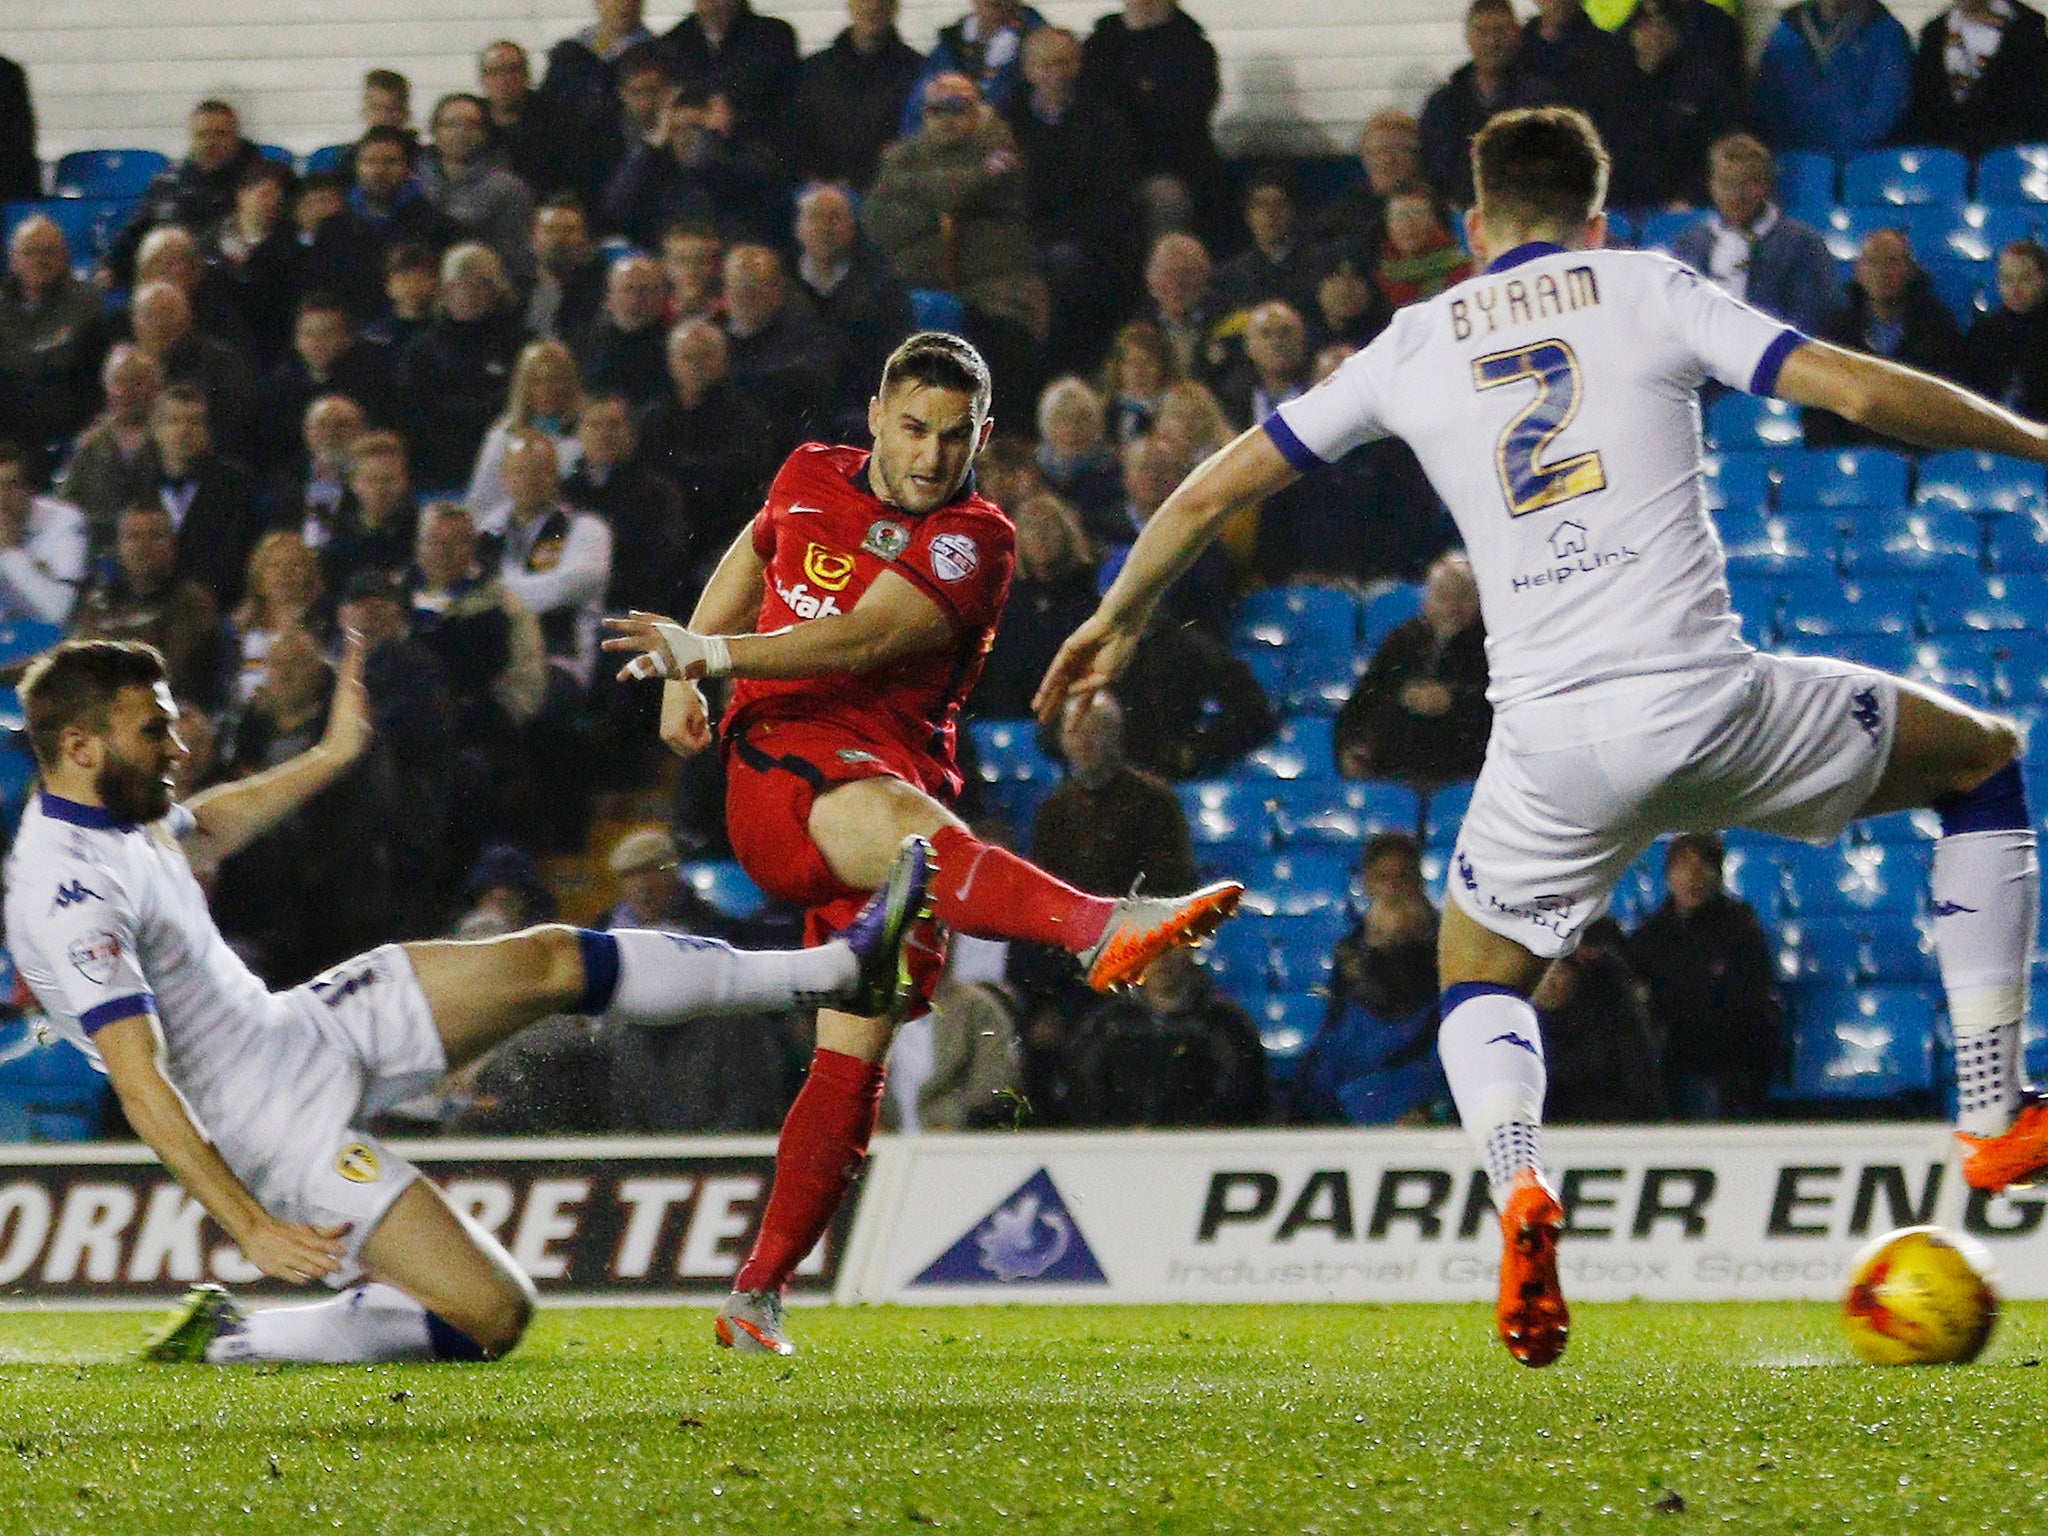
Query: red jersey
(825, 537)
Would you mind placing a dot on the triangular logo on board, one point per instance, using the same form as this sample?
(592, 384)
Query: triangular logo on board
(1030, 1238)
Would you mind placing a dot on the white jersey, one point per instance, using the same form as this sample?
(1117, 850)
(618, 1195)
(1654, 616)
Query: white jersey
(1554, 403)
(105, 920)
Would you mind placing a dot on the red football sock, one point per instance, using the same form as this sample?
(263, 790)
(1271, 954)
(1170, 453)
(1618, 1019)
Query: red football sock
(990, 893)
(824, 1143)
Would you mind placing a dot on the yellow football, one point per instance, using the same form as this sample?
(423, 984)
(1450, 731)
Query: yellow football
(1920, 1296)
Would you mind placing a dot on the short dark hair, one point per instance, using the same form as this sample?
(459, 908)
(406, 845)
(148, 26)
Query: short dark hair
(182, 394)
(75, 684)
(333, 179)
(1703, 845)
(384, 133)
(567, 202)
(325, 301)
(411, 256)
(213, 106)
(468, 98)
(642, 57)
(1490, 7)
(1540, 168)
(1383, 845)
(940, 360)
(388, 80)
(263, 168)
(1278, 177)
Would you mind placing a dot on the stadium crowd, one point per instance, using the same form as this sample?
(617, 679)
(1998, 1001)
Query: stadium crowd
(528, 356)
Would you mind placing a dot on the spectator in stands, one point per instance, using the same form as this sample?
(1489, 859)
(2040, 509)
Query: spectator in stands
(854, 292)
(452, 375)
(1390, 151)
(1711, 33)
(624, 349)
(210, 498)
(1073, 454)
(283, 591)
(651, 893)
(747, 61)
(1154, 63)
(146, 596)
(646, 80)
(1278, 264)
(196, 192)
(1712, 989)
(1678, 104)
(488, 643)
(160, 321)
(1153, 466)
(987, 46)
(252, 256)
(1080, 173)
(546, 397)
(568, 289)
(968, 1072)
(948, 210)
(374, 528)
(544, 144)
(710, 441)
(43, 542)
(1142, 364)
(1180, 279)
(1190, 415)
(584, 76)
(52, 337)
(1751, 247)
(465, 178)
(1420, 258)
(1892, 311)
(339, 251)
(1177, 1054)
(1601, 1052)
(1980, 79)
(1053, 590)
(326, 358)
(692, 169)
(21, 175)
(1191, 706)
(389, 195)
(1110, 826)
(1580, 64)
(1492, 80)
(412, 292)
(2006, 354)
(778, 353)
(201, 766)
(693, 263)
(1420, 714)
(386, 100)
(557, 561)
(851, 96)
(171, 254)
(307, 498)
(113, 463)
(1835, 77)
(1387, 964)
(1275, 365)
(652, 547)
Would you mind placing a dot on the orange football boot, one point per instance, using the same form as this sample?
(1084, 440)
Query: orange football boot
(1531, 1314)
(1142, 928)
(2016, 1155)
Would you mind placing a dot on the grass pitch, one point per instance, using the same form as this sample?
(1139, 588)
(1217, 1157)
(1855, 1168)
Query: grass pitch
(1167, 1419)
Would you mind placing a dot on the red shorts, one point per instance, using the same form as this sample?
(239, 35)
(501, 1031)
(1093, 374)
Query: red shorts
(774, 772)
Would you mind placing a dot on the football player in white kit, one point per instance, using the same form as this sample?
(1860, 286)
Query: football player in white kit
(255, 1099)
(1553, 400)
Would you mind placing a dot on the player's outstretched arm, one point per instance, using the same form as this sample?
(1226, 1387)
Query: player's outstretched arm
(1904, 403)
(232, 816)
(1237, 475)
(285, 1250)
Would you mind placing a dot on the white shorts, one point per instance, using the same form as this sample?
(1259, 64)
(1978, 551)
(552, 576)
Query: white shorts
(354, 1040)
(1576, 787)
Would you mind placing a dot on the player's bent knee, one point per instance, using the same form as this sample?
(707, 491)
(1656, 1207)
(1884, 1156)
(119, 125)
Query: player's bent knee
(550, 963)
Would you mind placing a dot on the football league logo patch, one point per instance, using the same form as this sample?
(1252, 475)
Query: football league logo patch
(886, 539)
(829, 570)
(94, 958)
(954, 556)
(357, 1162)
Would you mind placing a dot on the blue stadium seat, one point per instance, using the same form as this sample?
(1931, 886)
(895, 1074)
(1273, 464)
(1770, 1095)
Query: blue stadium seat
(1805, 180)
(1998, 603)
(1787, 544)
(1862, 1042)
(1756, 600)
(1887, 653)
(2019, 670)
(1228, 811)
(2017, 174)
(1317, 618)
(89, 223)
(1304, 948)
(1843, 477)
(21, 639)
(1287, 1022)
(1659, 230)
(1738, 423)
(1621, 230)
(726, 886)
(1898, 827)
(2017, 541)
(934, 309)
(1301, 749)
(1979, 231)
(1295, 884)
(1980, 482)
(1008, 750)
(327, 157)
(49, 1091)
(1845, 229)
(1871, 877)
(1274, 669)
(103, 173)
(1733, 479)
(1335, 813)
(1957, 665)
(1386, 610)
(1913, 541)
(1967, 288)
(1447, 806)
(1818, 606)
(1868, 950)
(1318, 682)
(1640, 890)
(1906, 176)
(1240, 957)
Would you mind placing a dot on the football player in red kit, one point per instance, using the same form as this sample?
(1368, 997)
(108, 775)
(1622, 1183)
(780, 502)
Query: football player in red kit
(854, 615)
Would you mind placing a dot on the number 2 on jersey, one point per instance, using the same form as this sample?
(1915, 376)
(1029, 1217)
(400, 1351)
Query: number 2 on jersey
(1526, 481)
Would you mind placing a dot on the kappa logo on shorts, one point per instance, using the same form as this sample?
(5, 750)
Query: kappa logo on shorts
(94, 958)
(1511, 1038)
(828, 569)
(1865, 711)
(955, 557)
(72, 894)
(357, 1162)
(886, 539)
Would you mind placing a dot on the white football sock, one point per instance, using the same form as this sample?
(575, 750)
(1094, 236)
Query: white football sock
(1987, 897)
(668, 978)
(1492, 1051)
(364, 1323)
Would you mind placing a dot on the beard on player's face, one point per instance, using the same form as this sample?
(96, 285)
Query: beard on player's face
(133, 789)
